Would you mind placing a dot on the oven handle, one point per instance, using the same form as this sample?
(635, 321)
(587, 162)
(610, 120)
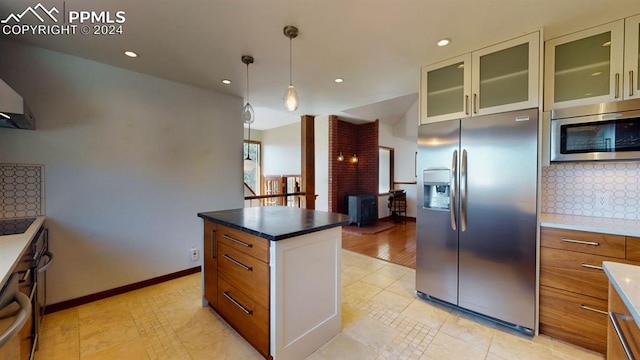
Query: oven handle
(21, 318)
(46, 266)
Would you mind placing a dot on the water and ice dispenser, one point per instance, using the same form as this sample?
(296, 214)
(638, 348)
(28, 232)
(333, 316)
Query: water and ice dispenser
(437, 187)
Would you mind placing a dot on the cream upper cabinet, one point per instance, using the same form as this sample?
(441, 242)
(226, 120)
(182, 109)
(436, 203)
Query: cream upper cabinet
(494, 79)
(632, 57)
(596, 65)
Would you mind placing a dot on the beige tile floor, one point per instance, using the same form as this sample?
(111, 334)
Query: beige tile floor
(382, 319)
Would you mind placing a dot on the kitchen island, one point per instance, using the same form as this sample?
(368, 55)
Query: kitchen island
(273, 273)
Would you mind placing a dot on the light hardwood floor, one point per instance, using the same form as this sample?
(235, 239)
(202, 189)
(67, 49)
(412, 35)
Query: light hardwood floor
(396, 245)
(381, 319)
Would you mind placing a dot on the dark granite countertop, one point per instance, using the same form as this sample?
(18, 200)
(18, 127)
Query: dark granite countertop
(277, 222)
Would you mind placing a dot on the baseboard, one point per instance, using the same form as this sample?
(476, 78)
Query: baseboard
(117, 291)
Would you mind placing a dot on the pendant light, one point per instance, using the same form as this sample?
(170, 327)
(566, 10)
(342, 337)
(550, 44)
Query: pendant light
(291, 100)
(248, 116)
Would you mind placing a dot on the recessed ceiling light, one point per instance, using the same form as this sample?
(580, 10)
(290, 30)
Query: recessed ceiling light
(597, 73)
(131, 54)
(461, 66)
(339, 80)
(444, 42)
(226, 81)
(608, 43)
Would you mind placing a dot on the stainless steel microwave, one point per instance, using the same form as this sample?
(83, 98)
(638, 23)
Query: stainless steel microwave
(607, 131)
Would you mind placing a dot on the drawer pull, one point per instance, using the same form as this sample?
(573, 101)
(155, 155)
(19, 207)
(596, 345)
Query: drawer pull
(238, 241)
(236, 303)
(248, 268)
(585, 307)
(581, 242)
(588, 266)
(623, 340)
(25, 277)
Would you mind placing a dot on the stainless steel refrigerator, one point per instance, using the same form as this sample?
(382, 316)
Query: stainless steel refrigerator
(477, 215)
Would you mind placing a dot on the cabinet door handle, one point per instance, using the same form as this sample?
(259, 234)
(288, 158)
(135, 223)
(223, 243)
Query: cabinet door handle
(236, 303)
(44, 268)
(25, 277)
(585, 307)
(631, 83)
(581, 242)
(248, 268)
(212, 242)
(588, 266)
(475, 103)
(617, 92)
(623, 339)
(20, 320)
(237, 241)
(466, 104)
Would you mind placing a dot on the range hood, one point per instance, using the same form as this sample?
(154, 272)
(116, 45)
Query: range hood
(14, 112)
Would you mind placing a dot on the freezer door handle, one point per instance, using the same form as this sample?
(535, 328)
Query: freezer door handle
(453, 194)
(463, 191)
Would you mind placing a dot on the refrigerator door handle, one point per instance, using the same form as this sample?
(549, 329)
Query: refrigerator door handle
(463, 191)
(453, 194)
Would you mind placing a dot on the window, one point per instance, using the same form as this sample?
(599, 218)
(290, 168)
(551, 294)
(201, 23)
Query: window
(252, 176)
(385, 170)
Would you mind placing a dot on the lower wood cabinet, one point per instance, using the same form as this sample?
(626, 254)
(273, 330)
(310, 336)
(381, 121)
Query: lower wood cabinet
(236, 281)
(575, 318)
(574, 290)
(623, 336)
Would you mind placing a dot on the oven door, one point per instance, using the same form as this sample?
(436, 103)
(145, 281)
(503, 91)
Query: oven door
(15, 312)
(614, 136)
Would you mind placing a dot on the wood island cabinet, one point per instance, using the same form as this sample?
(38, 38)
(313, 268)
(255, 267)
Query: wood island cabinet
(273, 274)
(574, 290)
(236, 281)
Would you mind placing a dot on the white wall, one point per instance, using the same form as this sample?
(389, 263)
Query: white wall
(321, 134)
(129, 161)
(402, 137)
(281, 150)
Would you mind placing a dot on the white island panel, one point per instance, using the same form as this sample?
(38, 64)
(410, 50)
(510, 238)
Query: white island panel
(305, 293)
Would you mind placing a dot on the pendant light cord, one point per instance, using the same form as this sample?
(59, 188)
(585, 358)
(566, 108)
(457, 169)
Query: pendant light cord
(249, 136)
(290, 64)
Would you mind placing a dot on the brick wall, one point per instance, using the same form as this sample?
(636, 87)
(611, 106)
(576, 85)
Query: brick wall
(345, 177)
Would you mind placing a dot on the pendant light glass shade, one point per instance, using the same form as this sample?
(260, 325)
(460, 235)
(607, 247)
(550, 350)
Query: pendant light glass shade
(248, 116)
(291, 100)
(249, 164)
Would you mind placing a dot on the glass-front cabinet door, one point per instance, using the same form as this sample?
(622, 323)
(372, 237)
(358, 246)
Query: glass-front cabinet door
(444, 90)
(631, 58)
(505, 76)
(585, 67)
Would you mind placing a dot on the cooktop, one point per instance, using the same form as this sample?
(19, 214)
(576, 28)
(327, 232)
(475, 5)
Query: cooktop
(15, 226)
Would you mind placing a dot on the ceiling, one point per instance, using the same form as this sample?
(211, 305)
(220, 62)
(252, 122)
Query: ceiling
(377, 46)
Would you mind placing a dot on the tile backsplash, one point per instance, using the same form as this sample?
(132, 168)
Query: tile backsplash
(21, 190)
(572, 188)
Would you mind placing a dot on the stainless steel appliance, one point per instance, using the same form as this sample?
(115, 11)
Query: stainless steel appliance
(608, 131)
(15, 316)
(14, 112)
(477, 215)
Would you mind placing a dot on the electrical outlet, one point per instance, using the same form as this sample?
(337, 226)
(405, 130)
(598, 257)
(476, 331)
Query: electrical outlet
(194, 253)
(601, 201)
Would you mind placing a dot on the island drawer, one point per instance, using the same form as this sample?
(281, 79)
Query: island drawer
(633, 248)
(244, 272)
(576, 272)
(249, 244)
(584, 242)
(575, 318)
(243, 314)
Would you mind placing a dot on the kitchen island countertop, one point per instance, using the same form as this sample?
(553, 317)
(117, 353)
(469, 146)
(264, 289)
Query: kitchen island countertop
(13, 246)
(593, 224)
(277, 222)
(625, 279)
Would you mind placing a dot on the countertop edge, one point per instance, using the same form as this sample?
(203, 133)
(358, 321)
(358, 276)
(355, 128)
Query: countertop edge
(23, 241)
(273, 237)
(620, 289)
(592, 224)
